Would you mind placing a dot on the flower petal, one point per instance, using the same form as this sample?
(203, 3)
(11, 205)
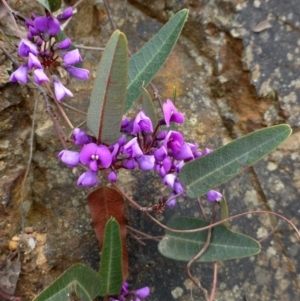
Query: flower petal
(88, 179)
(69, 158)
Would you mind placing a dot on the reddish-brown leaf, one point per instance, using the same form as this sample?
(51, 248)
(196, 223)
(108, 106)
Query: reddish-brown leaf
(103, 203)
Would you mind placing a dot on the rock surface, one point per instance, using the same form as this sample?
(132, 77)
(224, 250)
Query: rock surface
(232, 77)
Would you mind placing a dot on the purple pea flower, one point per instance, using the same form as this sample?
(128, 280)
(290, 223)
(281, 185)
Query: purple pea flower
(40, 76)
(72, 57)
(80, 137)
(130, 164)
(69, 158)
(213, 196)
(88, 178)
(146, 162)
(173, 141)
(66, 14)
(20, 75)
(171, 114)
(95, 156)
(142, 123)
(169, 180)
(26, 47)
(132, 148)
(184, 153)
(112, 177)
(65, 44)
(33, 61)
(127, 126)
(47, 26)
(59, 89)
(142, 292)
(79, 73)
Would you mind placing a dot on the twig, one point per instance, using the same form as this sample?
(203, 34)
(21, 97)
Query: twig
(224, 220)
(201, 208)
(144, 235)
(202, 251)
(213, 290)
(112, 22)
(10, 11)
(269, 234)
(73, 108)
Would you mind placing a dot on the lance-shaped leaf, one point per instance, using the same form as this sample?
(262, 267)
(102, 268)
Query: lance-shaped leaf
(51, 5)
(108, 96)
(105, 202)
(224, 243)
(111, 260)
(207, 172)
(150, 58)
(148, 107)
(79, 280)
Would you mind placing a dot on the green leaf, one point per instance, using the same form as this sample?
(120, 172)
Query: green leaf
(224, 243)
(150, 58)
(108, 96)
(111, 260)
(79, 280)
(51, 5)
(224, 212)
(148, 107)
(207, 172)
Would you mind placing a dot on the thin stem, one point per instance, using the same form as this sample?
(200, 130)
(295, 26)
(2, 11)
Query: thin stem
(144, 235)
(213, 290)
(60, 107)
(73, 108)
(201, 208)
(224, 220)
(10, 11)
(202, 251)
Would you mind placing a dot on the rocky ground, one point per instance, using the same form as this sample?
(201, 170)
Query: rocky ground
(236, 68)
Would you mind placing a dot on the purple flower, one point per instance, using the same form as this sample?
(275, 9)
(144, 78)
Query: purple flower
(146, 162)
(213, 195)
(184, 153)
(69, 158)
(207, 151)
(127, 126)
(173, 201)
(142, 292)
(48, 26)
(169, 179)
(66, 14)
(142, 123)
(171, 114)
(33, 61)
(173, 141)
(89, 178)
(40, 76)
(20, 75)
(60, 90)
(80, 137)
(112, 177)
(95, 156)
(160, 154)
(26, 47)
(72, 57)
(80, 73)
(130, 164)
(132, 148)
(65, 44)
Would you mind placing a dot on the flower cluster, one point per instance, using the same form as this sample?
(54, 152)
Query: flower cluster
(137, 295)
(162, 151)
(45, 54)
